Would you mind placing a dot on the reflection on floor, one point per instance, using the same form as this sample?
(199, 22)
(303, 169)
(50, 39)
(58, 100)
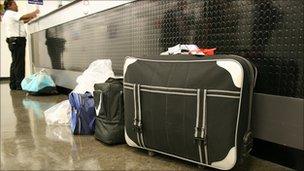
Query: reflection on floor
(27, 143)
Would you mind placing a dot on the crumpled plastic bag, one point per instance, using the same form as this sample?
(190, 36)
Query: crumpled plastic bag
(37, 81)
(180, 49)
(58, 114)
(189, 49)
(98, 72)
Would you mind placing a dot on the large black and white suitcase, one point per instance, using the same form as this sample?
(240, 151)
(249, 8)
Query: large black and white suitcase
(195, 109)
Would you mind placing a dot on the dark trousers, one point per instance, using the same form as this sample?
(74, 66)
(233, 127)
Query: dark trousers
(17, 71)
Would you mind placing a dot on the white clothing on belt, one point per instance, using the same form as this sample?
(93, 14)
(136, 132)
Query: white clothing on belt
(13, 26)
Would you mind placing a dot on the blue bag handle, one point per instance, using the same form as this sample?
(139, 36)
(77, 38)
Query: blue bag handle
(89, 95)
(74, 101)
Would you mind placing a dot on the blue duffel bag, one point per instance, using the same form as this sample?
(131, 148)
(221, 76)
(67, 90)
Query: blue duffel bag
(83, 113)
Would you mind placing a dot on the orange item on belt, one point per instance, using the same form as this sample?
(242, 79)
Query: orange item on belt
(205, 52)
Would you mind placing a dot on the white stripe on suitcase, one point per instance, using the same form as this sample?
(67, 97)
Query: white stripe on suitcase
(169, 92)
(168, 88)
(204, 127)
(197, 112)
(200, 151)
(176, 89)
(135, 113)
(222, 91)
(225, 96)
(139, 116)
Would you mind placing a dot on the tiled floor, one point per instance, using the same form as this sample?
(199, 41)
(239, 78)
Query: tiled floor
(27, 143)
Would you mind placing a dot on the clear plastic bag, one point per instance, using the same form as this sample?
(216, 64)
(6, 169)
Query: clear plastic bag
(58, 114)
(59, 133)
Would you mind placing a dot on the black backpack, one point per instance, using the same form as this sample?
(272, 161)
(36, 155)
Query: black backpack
(109, 107)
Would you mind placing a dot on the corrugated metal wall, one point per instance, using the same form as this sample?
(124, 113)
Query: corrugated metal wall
(268, 33)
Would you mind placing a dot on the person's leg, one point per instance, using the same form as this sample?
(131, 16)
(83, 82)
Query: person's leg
(12, 47)
(20, 63)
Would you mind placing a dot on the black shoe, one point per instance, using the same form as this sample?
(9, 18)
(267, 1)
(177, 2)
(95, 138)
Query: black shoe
(18, 88)
(13, 88)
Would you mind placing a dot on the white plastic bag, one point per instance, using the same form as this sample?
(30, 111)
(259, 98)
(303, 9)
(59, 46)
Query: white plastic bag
(98, 72)
(180, 49)
(58, 114)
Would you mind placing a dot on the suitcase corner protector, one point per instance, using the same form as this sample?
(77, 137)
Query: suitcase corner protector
(129, 141)
(228, 162)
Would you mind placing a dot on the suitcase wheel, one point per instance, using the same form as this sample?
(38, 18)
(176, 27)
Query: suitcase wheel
(201, 167)
(151, 153)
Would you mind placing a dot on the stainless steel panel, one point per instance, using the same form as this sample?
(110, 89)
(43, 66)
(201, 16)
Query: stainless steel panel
(279, 119)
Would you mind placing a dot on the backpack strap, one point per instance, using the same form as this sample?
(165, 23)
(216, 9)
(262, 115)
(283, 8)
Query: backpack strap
(74, 100)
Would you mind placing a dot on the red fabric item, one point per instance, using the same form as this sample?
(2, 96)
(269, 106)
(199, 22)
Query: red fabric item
(208, 52)
(204, 52)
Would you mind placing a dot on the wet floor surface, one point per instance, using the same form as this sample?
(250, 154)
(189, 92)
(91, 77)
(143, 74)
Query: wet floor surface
(27, 143)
